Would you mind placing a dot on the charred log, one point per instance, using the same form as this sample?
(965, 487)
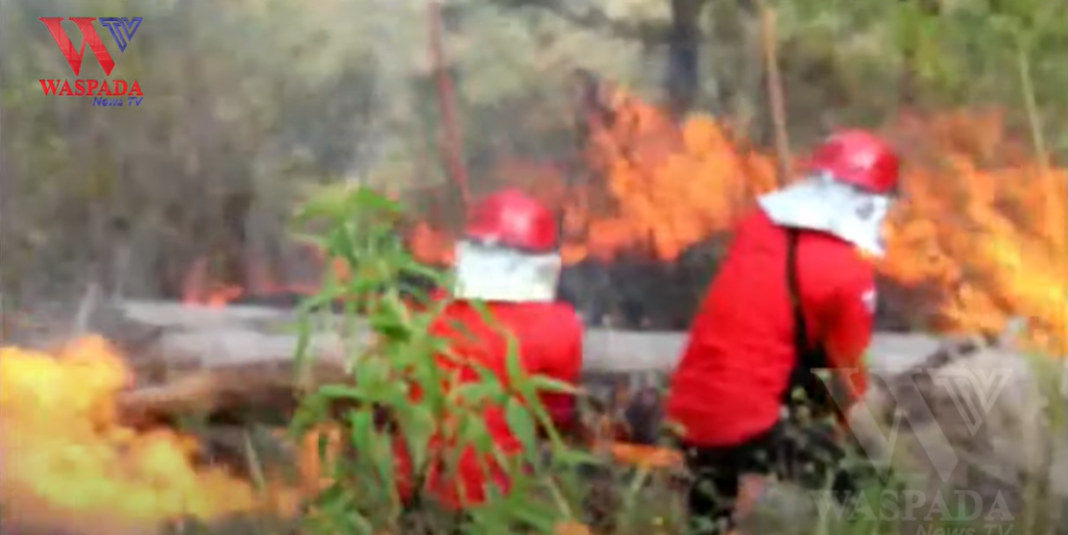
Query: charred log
(638, 292)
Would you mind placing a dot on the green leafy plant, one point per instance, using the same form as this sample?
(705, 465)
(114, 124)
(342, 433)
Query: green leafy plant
(400, 395)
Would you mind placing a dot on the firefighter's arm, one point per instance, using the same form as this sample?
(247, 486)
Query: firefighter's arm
(848, 336)
(564, 365)
(566, 368)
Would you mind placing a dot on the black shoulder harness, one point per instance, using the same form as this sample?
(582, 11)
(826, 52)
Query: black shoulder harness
(805, 387)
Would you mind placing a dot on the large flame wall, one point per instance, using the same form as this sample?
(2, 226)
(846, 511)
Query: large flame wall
(980, 234)
(981, 226)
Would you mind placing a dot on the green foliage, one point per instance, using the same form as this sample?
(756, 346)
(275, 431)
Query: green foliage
(436, 425)
(962, 53)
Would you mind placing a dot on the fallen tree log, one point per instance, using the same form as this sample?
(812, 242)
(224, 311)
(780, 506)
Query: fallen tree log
(227, 360)
(231, 393)
(228, 335)
(233, 362)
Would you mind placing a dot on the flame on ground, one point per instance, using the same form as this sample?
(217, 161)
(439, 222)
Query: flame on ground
(200, 288)
(67, 463)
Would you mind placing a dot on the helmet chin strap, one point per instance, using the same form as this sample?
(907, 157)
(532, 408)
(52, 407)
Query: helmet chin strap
(492, 273)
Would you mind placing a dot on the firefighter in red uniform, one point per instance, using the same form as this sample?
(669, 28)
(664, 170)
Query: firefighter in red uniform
(507, 259)
(794, 294)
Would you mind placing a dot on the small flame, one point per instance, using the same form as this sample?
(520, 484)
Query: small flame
(201, 288)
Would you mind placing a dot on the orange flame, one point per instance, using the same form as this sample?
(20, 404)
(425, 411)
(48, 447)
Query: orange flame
(201, 289)
(66, 462)
(985, 225)
(668, 186)
(981, 232)
(980, 221)
(660, 187)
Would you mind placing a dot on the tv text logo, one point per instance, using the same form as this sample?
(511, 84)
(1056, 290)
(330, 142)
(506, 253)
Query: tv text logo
(110, 92)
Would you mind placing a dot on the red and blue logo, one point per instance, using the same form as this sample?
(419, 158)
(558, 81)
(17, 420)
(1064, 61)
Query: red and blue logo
(108, 91)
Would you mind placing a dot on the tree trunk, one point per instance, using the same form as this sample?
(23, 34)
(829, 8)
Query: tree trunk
(683, 76)
(908, 90)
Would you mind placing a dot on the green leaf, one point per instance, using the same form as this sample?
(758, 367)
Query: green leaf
(473, 432)
(418, 426)
(518, 379)
(543, 383)
(540, 517)
(521, 424)
(361, 424)
(476, 394)
(373, 372)
(384, 462)
(339, 391)
(576, 458)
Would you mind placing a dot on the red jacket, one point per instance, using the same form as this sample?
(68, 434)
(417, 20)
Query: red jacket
(730, 382)
(549, 337)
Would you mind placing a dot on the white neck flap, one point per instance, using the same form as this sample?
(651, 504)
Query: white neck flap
(824, 204)
(494, 273)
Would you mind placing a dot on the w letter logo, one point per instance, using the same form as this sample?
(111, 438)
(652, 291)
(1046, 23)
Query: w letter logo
(122, 30)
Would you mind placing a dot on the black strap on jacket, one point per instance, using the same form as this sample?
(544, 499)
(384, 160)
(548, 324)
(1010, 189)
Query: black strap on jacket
(806, 388)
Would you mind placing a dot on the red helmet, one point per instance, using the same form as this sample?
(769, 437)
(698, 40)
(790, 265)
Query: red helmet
(860, 158)
(513, 219)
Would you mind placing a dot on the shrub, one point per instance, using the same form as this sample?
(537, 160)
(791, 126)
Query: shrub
(361, 496)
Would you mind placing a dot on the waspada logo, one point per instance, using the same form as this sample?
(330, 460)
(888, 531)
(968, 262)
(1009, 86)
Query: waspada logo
(111, 92)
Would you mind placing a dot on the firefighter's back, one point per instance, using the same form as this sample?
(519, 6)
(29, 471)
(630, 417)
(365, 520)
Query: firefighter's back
(729, 384)
(548, 341)
(508, 258)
